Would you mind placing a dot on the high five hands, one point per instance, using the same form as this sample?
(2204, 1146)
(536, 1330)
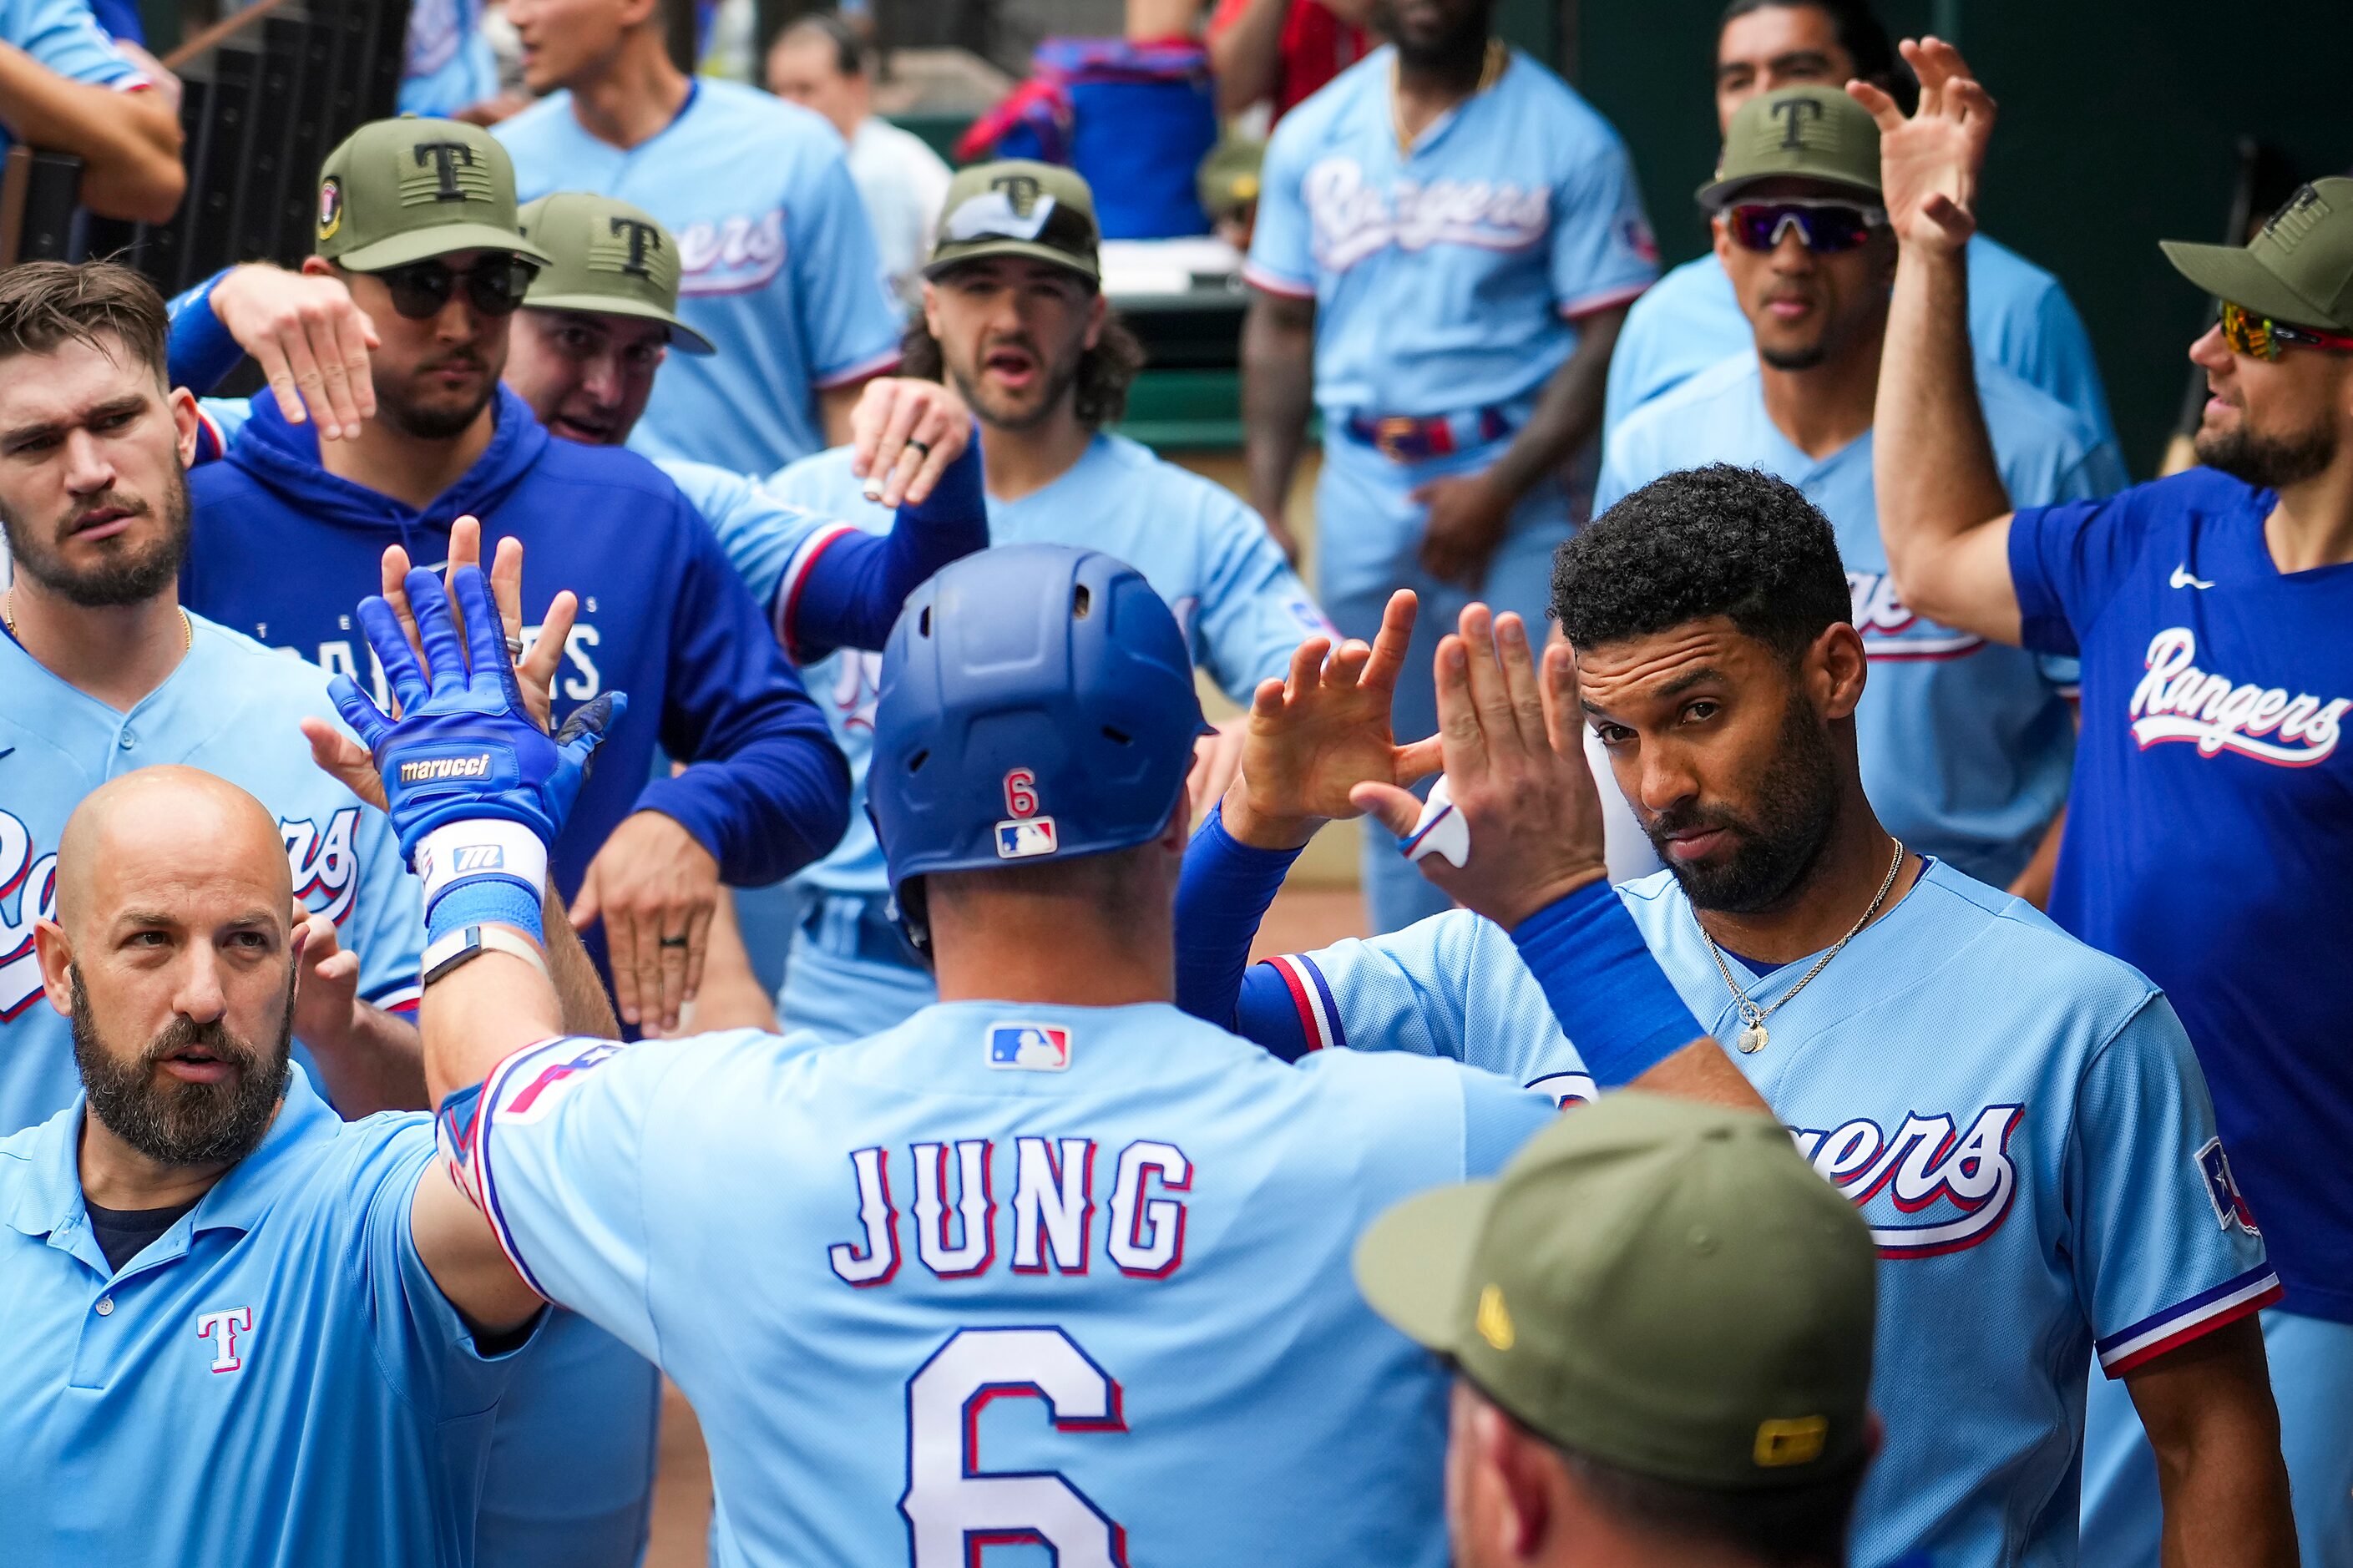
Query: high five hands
(1319, 745)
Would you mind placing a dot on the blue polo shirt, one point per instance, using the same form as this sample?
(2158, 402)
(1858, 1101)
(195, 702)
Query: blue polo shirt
(275, 1380)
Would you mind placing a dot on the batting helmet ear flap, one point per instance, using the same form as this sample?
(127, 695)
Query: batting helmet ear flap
(1036, 703)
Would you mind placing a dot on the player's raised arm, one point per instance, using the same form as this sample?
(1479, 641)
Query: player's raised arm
(1944, 513)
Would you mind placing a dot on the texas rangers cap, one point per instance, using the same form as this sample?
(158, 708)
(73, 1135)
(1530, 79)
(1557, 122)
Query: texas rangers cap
(1014, 207)
(1662, 1286)
(2298, 268)
(608, 258)
(1798, 132)
(398, 190)
(1228, 179)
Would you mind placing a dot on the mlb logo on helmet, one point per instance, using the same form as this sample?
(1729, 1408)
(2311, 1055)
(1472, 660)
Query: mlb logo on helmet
(1032, 1047)
(1024, 833)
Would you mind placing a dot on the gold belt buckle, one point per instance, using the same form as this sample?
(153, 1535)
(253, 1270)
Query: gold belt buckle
(1391, 433)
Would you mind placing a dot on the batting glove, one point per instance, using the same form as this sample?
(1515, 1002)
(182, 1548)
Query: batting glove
(475, 790)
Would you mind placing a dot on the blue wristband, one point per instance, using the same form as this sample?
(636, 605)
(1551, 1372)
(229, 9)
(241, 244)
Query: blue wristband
(1610, 997)
(485, 900)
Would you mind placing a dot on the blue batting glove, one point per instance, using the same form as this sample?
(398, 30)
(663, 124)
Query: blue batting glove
(464, 748)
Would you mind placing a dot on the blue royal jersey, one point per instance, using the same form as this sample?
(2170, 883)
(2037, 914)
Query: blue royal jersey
(1966, 744)
(1449, 278)
(780, 269)
(2210, 836)
(663, 618)
(1243, 610)
(2020, 1120)
(275, 1381)
(1070, 1285)
(234, 708)
(2020, 318)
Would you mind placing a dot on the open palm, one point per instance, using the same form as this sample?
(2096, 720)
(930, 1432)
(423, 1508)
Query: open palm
(1929, 160)
(1313, 737)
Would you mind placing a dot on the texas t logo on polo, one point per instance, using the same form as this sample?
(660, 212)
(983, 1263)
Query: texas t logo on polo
(222, 1328)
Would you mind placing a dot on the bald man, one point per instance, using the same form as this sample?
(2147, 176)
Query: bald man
(223, 1343)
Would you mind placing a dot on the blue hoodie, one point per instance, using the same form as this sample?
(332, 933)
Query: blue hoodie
(284, 552)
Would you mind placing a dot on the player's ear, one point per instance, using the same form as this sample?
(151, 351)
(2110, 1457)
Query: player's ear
(1835, 668)
(318, 267)
(55, 950)
(932, 309)
(1721, 237)
(1098, 312)
(186, 421)
(1177, 831)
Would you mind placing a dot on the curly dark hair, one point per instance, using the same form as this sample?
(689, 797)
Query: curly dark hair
(1105, 370)
(1717, 541)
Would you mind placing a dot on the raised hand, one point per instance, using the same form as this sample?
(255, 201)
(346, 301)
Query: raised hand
(310, 341)
(464, 747)
(1930, 163)
(903, 435)
(1512, 742)
(1310, 739)
(536, 666)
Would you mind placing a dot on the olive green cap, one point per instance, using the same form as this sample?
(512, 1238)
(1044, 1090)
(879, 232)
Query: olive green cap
(1798, 133)
(1656, 1284)
(398, 190)
(1228, 178)
(608, 258)
(2299, 267)
(1014, 207)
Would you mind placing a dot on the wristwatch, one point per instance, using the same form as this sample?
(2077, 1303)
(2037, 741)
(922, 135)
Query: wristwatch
(445, 953)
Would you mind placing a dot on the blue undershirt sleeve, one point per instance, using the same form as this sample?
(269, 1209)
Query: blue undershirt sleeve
(1612, 1000)
(1221, 894)
(200, 352)
(851, 595)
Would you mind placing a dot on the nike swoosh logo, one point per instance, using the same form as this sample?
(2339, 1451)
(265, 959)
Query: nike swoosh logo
(2183, 579)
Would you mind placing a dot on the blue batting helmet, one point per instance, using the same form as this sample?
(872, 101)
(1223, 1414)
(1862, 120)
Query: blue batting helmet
(1037, 704)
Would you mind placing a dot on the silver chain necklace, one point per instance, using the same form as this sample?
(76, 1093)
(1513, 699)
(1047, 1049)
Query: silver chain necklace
(1752, 1035)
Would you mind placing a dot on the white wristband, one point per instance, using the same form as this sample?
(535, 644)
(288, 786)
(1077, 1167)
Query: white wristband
(486, 847)
(1440, 831)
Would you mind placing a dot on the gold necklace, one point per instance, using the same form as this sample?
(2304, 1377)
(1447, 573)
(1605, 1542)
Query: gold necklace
(8, 619)
(1752, 1035)
(1498, 55)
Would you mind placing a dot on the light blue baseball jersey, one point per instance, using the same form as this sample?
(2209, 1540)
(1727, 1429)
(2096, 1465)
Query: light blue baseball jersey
(1967, 745)
(769, 541)
(234, 708)
(2020, 318)
(1243, 609)
(64, 37)
(275, 1380)
(2019, 1118)
(779, 265)
(449, 65)
(1007, 1283)
(1450, 278)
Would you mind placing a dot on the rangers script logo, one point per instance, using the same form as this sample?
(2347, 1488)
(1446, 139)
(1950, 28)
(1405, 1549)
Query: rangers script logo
(324, 863)
(1927, 1189)
(2175, 700)
(1353, 220)
(1890, 629)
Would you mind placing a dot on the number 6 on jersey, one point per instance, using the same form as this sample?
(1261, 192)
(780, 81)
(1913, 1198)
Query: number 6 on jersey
(954, 1508)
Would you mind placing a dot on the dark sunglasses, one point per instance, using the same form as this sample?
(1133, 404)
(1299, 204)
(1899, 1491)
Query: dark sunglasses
(494, 285)
(2259, 337)
(1825, 228)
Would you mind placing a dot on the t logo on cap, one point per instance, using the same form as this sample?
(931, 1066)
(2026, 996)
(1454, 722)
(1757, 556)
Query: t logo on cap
(445, 157)
(2297, 219)
(1794, 113)
(1020, 192)
(643, 239)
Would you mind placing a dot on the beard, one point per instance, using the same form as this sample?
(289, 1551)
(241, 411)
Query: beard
(1773, 849)
(129, 574)
(2269, 462)
(1056, 380)
(1806, 358)
(176, 1123)
(441, 418)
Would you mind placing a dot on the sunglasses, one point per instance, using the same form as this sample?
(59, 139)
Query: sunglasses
(1825, 228)
(2259, 337)
(494, 285)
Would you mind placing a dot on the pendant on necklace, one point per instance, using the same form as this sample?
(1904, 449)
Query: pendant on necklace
(1752, 1040)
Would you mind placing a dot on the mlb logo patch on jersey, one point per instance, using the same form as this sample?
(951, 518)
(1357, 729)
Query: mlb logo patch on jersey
(1032, 1047)
(2223, 1189)
(1018, 840)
